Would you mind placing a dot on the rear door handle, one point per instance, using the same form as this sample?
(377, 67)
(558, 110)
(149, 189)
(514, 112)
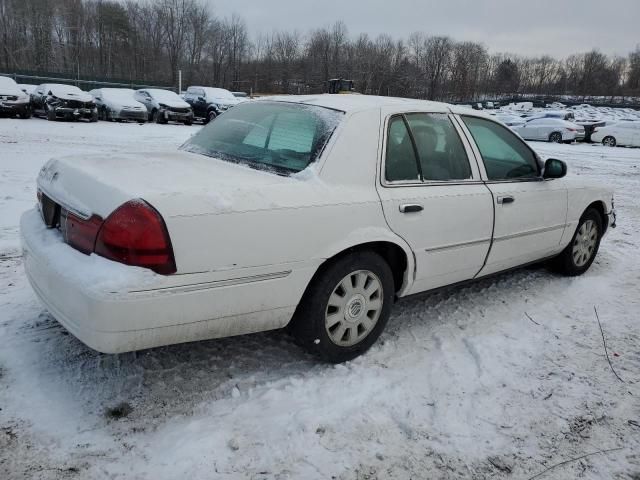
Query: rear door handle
(502, 199)
(411, 208)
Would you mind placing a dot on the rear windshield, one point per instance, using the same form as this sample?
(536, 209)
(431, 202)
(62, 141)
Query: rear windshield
(279, 136)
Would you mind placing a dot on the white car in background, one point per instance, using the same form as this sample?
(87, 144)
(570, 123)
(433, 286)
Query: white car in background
(619, 133)
(550, 130)
(511, 121)
(119, 104)
(13, 101)
(312, 212)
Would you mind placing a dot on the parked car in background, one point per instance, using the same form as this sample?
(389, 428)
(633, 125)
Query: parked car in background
(550, 130)
(57, 101)
(119, 104)
(164, 106)
(241, 95)
(510, 120)
(13, 101)
(208, 102)
(561, 114)
(313, 212)
(619, 133)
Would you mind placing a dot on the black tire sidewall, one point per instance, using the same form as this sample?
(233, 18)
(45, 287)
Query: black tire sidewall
(308, 323)
(555, 135)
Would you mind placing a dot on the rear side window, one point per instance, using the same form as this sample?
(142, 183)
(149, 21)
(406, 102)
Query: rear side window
(505, 156)
(440, 151)
(425, 147)
(401, 163)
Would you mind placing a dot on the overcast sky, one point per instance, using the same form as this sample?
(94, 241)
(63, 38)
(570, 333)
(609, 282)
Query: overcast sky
(531, 27)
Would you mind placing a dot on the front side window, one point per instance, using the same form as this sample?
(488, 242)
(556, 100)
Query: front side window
(505, 156)
(279, 136)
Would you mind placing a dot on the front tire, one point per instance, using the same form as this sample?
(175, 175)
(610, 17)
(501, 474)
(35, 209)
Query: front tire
(555, 137)
(345, 307)
(578, 256)
(211, 116)
(51, 114)
(609, 141)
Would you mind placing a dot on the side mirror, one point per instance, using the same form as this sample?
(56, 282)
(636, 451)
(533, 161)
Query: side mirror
(201, 99)
(554, 168)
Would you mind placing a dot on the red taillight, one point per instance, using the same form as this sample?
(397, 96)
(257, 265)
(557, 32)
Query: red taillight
(79, 233)
(135, 234)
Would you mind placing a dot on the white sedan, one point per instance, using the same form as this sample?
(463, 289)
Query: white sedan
(549, 129)
(620, 133)
(311, 212)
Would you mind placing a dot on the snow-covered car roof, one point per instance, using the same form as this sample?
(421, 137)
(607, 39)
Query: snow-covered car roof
(218, 93)
(354, 103)
(9, 85)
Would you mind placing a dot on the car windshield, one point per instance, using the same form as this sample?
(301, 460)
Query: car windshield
(279, 136)
(123, 95)
(60, 89)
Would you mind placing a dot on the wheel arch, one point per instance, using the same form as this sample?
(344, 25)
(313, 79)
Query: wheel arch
(601, 208)
(398, 256)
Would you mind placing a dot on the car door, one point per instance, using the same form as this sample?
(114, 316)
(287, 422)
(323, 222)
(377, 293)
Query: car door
(144, 98)
(529, 130)
(433, 197)
(37, 99)
(635, 139)
(530, 213)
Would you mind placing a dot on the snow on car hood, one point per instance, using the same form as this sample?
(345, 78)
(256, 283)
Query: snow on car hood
(174, 103)
(177, 183)
(69, 94)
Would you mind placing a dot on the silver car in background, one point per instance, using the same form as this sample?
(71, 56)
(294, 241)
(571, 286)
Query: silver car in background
(119, 104)
(164, 106)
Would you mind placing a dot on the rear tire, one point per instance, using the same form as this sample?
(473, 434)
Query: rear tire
(25, 114)
(555, 137)
(609, 141)
(578, 256)
(345, 307)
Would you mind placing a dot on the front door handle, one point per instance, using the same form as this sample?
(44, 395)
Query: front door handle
(502, 199)
(411, 208)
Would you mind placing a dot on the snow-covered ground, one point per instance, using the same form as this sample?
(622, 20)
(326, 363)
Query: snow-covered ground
(501, 379)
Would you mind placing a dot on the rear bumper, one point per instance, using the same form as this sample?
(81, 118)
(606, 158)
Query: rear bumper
(115, 308)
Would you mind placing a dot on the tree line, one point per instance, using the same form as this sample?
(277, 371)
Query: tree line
(149, 41)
